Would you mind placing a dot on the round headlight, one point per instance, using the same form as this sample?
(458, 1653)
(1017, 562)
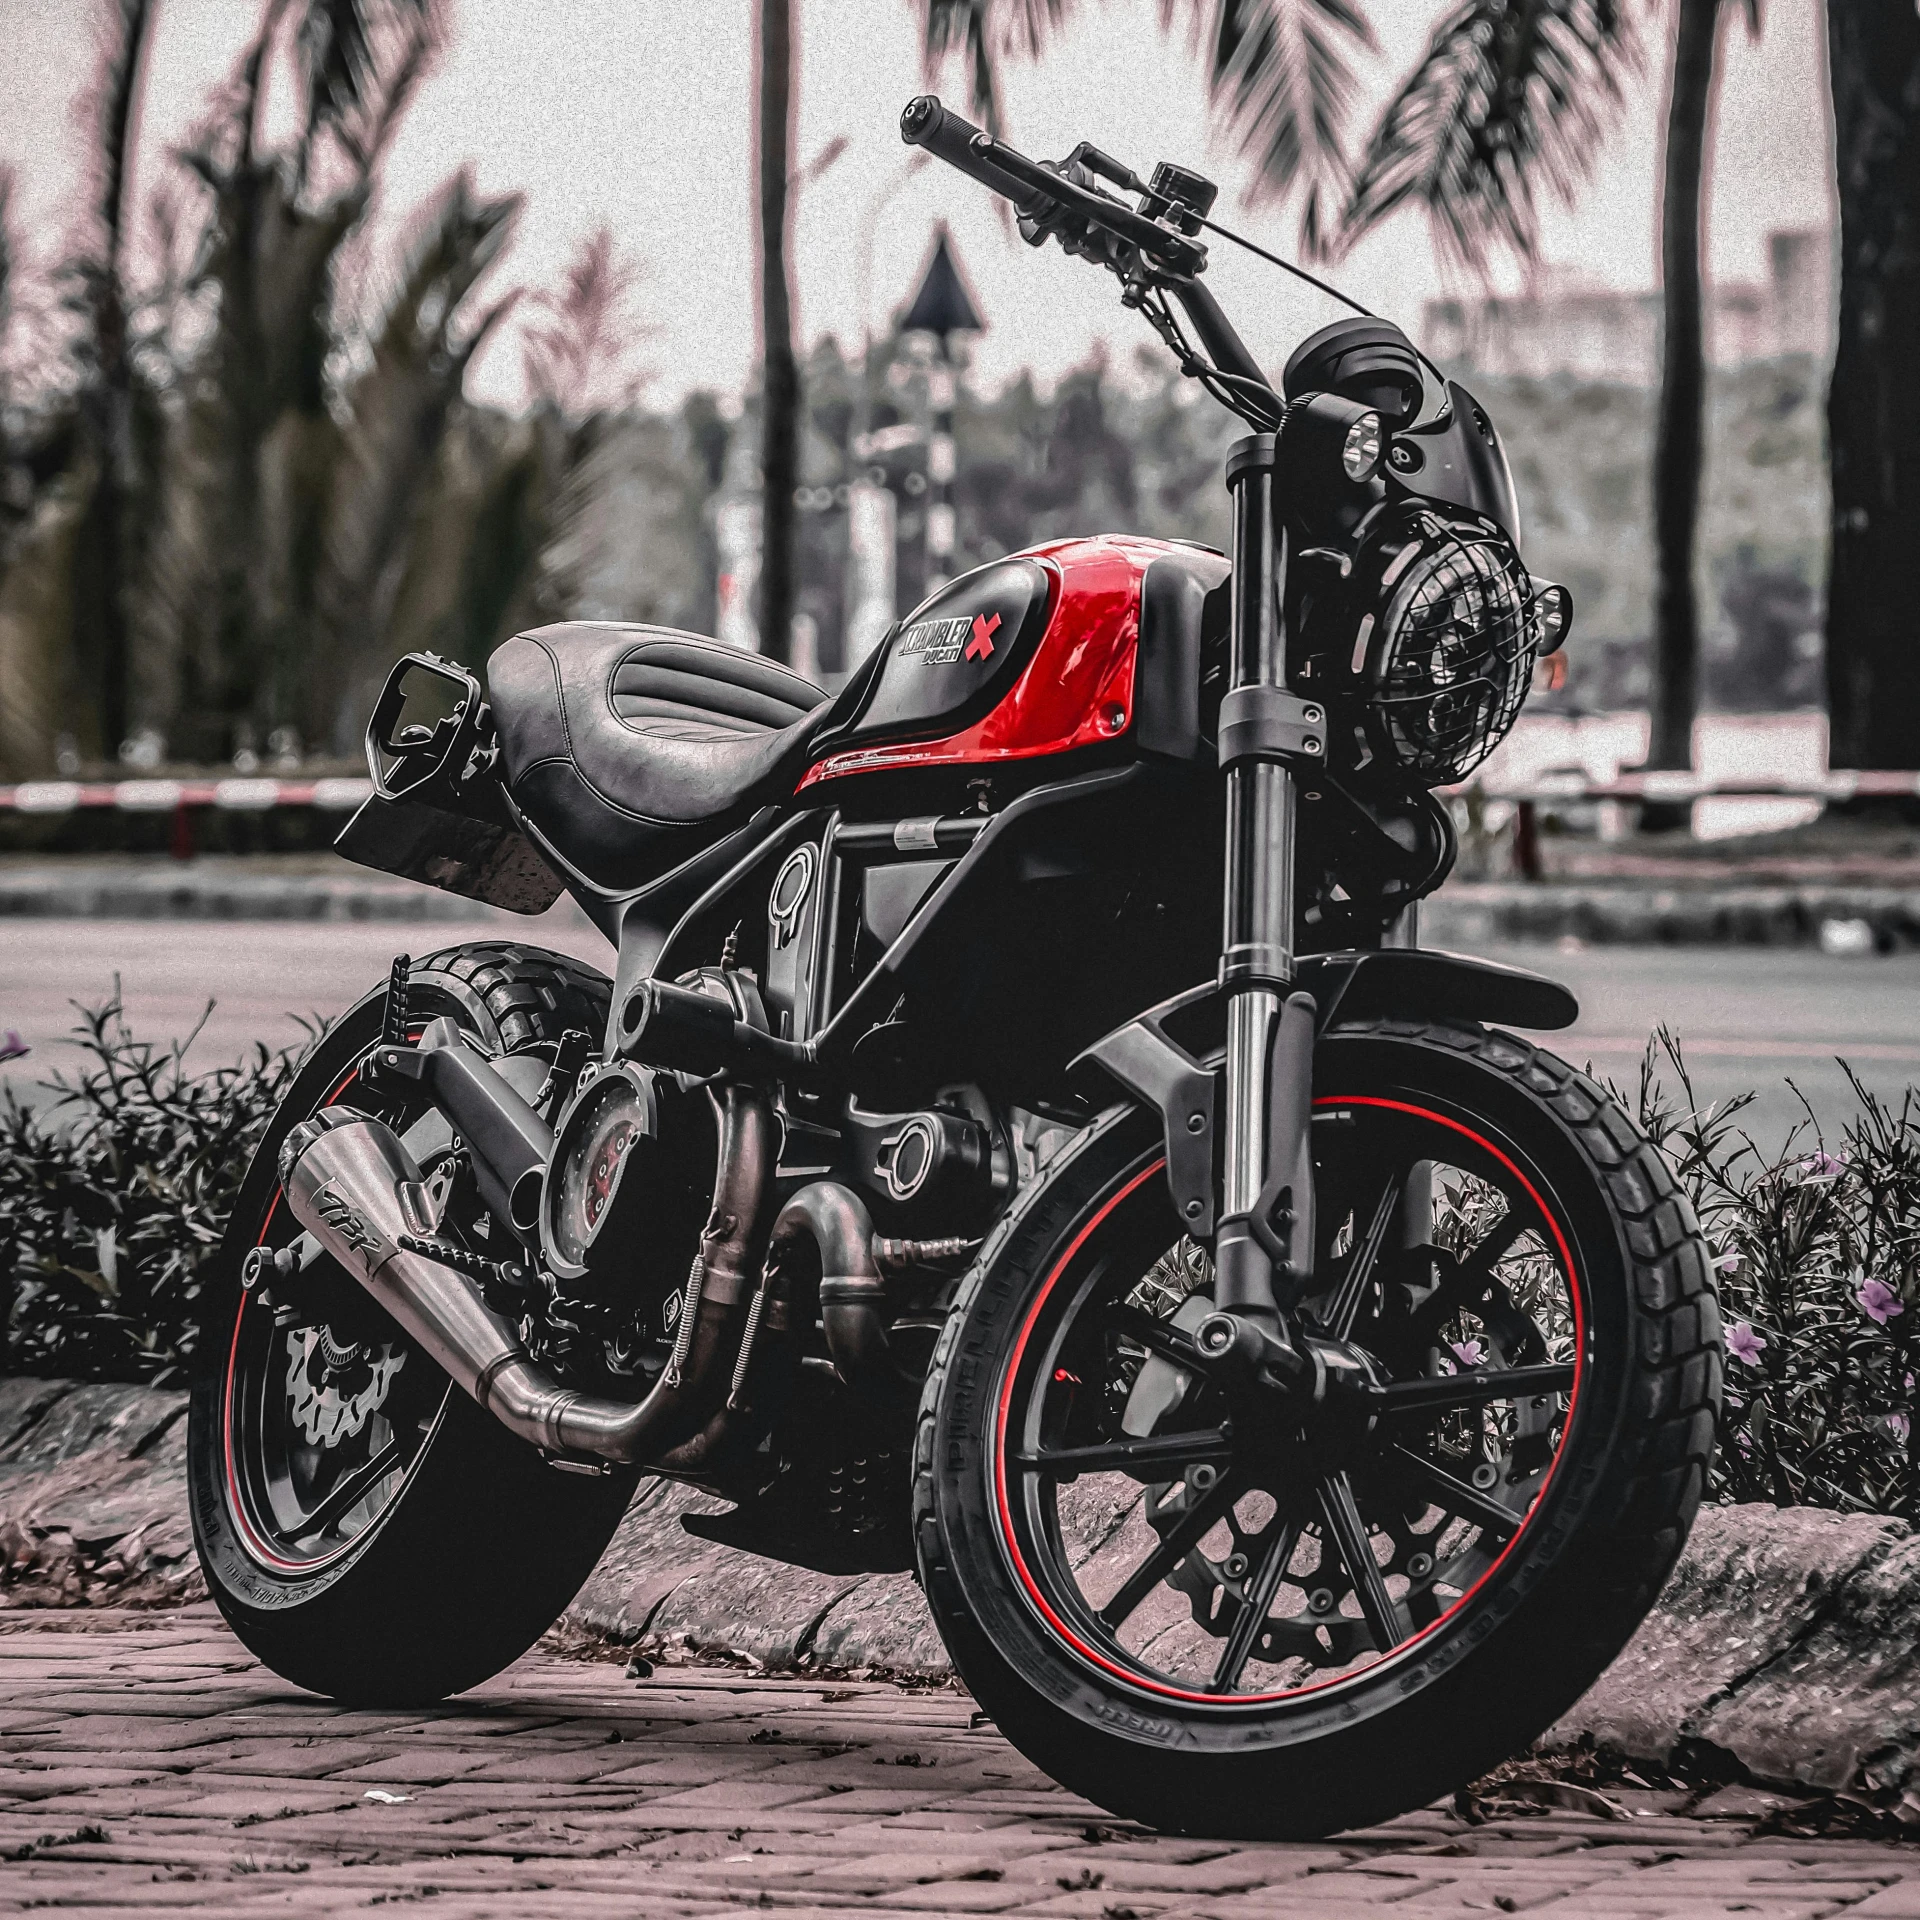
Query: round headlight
(1360, 456)
(1425, 646)
(1456, 656)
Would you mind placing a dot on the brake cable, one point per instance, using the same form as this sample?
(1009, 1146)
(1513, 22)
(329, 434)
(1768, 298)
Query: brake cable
(1288, 266)
(1161, 318)
(1327, 287)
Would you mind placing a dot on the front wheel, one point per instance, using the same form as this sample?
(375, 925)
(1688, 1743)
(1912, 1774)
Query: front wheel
(1283, 1626)
(368, 1532)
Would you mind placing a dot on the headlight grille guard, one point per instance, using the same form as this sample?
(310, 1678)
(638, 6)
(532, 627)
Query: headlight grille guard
(1423, 645)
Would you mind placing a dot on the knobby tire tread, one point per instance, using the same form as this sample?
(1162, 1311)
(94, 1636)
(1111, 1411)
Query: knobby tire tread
(1664, 1430)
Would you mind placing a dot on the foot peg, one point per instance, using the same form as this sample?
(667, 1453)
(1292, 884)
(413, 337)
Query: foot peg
(396, 1027)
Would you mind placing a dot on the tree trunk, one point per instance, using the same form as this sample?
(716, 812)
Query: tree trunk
(780, 375)
(102, 587)
(1873, 407)
(1680, 437)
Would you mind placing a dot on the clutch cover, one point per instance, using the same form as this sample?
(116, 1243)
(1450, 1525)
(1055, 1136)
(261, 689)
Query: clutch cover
(603, 1147)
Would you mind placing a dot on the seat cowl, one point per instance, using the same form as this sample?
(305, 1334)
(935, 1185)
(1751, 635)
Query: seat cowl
(626, 745)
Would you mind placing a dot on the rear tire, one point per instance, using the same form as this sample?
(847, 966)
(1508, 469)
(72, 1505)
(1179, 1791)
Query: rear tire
(471, 1545)
(1601, 1492)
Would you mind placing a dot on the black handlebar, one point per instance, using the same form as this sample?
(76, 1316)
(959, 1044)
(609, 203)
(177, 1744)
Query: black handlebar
(947, 136)
(1034, 189)
(1053, 200)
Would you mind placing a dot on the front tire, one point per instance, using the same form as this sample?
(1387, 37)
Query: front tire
(368, 1532)
(1292, 1633)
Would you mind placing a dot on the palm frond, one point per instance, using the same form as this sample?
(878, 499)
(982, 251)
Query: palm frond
(116, 101)
(1509, 94)
(1283, 71)
(401, 59)
(578, 352)
(399, 405)
(987, 33)
(338, 48)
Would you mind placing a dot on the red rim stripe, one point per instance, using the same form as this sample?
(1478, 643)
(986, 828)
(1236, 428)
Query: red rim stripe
(1003, 1504)
(236, 1506)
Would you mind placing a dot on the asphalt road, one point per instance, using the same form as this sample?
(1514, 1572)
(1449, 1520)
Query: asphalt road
(261, 976)
(1765, 1020)
(1748, 1019)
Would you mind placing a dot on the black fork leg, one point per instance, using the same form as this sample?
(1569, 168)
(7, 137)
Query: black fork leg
(1266, 1215)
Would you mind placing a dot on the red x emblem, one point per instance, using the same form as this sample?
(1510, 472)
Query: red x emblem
(980, 647)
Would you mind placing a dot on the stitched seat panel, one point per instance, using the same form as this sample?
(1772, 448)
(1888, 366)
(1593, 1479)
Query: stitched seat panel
(625, 747)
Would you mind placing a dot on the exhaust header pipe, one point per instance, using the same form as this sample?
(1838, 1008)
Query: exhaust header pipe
(352, 1184)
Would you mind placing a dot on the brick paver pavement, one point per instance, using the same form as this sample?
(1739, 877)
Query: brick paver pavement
(154, 1768)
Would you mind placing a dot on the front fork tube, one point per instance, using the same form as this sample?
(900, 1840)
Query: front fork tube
(1264, 1248)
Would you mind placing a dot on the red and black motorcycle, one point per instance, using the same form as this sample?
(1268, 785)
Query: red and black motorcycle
(1021, 1139)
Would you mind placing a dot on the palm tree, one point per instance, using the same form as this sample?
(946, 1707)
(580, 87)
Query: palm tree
(1873, 416)
(1513, 89)
(1281, 70)
(1679, 447)
(108, 401)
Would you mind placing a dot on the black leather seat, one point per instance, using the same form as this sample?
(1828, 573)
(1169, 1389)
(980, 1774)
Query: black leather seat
(627, 745)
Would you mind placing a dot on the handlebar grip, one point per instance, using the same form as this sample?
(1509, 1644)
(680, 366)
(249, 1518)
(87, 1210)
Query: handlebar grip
(957, 141)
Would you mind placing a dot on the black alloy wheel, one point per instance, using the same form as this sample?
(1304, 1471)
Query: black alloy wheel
(368, 1532)
(1241, 1611)
(1276, 1549)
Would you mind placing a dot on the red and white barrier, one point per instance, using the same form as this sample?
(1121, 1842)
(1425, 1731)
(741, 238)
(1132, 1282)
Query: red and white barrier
(237, 795)
(240, 795)
(1843, 784)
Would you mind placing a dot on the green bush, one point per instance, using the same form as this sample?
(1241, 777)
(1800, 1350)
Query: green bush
(113, 1194)
(1817, 1252)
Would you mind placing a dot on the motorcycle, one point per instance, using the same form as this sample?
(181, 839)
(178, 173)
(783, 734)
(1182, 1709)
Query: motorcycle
(1021, 1138)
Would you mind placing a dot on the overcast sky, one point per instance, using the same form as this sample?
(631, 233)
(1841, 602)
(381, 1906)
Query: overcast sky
(636, 113)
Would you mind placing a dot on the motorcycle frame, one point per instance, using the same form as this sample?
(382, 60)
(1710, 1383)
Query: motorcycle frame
(1236, 1103)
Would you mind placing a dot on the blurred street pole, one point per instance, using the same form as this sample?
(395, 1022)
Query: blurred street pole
(942, 306)
(871, 509)
(780, 372)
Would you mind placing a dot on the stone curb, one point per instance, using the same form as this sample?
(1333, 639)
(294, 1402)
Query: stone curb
(1463, 915)
(1787, 1642)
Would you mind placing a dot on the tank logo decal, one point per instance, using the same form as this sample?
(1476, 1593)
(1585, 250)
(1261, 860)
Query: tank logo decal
(941, 641)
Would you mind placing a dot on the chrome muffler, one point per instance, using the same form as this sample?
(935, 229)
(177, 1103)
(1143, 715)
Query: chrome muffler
(353, 1185)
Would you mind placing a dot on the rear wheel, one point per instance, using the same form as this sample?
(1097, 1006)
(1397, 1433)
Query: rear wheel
(1281, 1626)
(368, 1532)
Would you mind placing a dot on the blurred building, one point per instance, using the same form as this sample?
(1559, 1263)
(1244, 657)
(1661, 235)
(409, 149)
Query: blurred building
(1566, 324)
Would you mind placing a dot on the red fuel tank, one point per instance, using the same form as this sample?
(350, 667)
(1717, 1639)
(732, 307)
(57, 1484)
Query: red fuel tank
(1035, 654)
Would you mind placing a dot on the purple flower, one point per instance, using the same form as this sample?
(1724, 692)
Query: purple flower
(1899, 1426)
(1879, 1302)
(1744, 1344)
(1821, 1166)
(1728, 1262)
(1468, 1352)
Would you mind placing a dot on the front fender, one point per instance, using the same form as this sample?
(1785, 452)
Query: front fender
(1168, 1058)
(1426, 983)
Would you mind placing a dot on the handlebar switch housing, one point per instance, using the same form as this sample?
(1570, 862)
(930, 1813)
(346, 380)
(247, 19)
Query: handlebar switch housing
(1179, 194)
